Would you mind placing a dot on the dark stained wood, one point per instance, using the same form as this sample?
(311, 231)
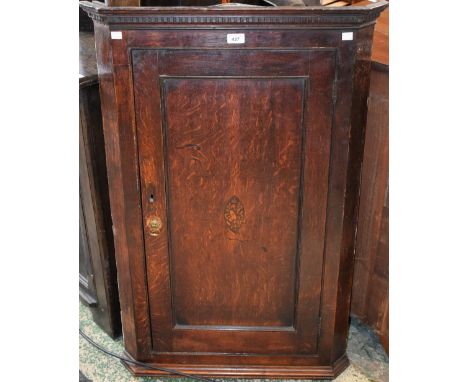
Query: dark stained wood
(110, 118)
(98, 275)
(370, 286)
(233, 176)
(86, 276)
(370, 289)
(85, 23)
(264, 170)
(377, 314)
(362, 70)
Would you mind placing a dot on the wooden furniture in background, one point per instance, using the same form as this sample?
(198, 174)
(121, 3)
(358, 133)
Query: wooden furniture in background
(98, 278)
(370, 285)
(234, 140)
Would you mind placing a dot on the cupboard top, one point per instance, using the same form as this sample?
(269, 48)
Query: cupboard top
(249, 16)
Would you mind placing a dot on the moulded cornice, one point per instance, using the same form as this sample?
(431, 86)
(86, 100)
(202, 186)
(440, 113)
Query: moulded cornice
(317, 16)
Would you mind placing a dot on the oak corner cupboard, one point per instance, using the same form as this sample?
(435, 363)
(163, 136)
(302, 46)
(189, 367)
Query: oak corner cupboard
(234, 136)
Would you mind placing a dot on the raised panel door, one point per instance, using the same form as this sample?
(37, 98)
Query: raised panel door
(233, 157)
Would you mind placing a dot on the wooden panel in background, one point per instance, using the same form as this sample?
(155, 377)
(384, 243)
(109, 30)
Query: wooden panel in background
(370, 301)
(98, 275)
(370, 286)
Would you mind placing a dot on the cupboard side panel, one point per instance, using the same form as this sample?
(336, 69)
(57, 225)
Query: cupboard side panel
(117, 114)
(318, 121)
(358, 118)
(336, 199)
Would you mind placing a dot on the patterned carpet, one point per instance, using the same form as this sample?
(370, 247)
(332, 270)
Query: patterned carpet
(369, 362)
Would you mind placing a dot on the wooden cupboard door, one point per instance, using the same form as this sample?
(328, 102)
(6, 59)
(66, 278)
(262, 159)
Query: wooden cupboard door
(233, 152)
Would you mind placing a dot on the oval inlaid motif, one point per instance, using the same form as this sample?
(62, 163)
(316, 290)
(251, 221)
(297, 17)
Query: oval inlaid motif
(234, 214)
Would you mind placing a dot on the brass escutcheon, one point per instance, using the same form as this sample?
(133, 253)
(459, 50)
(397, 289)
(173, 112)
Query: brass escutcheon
(154, 225)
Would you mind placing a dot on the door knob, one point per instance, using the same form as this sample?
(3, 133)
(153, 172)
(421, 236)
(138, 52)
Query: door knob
(154, 225)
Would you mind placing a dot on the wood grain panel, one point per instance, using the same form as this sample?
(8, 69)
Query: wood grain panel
(228, 210)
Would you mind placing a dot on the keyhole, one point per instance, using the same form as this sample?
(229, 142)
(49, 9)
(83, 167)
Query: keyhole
(151, 198)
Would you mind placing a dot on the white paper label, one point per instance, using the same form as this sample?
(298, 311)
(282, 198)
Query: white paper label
(236, 38)
(347, 36)
(116, 35)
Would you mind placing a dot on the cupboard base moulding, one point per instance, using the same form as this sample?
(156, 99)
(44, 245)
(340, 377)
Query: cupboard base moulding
(239, 371)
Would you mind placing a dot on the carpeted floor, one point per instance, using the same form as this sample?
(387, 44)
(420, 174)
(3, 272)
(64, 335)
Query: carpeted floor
(369, 363)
